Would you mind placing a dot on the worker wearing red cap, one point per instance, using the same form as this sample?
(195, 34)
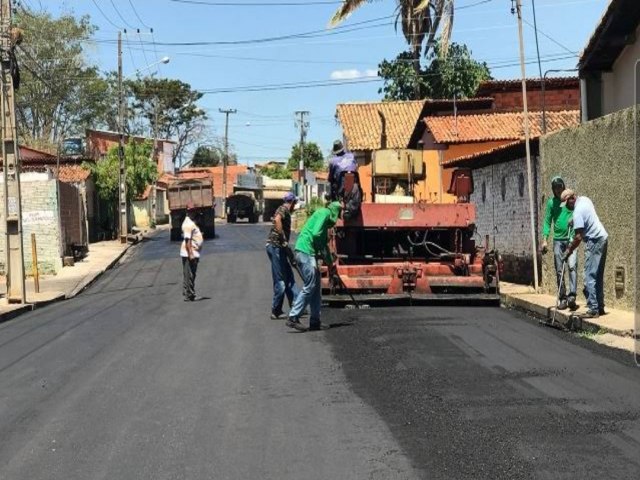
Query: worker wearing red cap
(190, 253)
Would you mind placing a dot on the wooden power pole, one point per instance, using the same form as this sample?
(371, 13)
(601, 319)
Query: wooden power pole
(303, 135)
(14, 250)
(122, 177)
(527, 136)
(225, 160)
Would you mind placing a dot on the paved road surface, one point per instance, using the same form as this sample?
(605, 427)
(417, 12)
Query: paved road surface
(128, 382)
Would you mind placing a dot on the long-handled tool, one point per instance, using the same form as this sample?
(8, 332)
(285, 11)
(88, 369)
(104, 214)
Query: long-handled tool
(560, 283)
(356, 303)
(294, 264)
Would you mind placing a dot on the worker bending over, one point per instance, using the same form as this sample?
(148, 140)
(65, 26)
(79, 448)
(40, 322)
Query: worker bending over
(313, 242)
(589, 229)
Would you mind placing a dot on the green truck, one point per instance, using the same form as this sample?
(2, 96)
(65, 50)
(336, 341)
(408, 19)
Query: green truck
(247, 200)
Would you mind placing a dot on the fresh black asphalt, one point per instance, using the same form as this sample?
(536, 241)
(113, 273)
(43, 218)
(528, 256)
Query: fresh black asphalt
(126, 381)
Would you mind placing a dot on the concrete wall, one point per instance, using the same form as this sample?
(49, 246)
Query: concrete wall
(618, 85)
(40, 216)
(501, 196)
(597, 160)
(142, 213)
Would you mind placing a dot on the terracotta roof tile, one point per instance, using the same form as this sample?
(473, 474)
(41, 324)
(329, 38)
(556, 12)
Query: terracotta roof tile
(496, 126)
(468, 160)
(73, 173)
(362, 125)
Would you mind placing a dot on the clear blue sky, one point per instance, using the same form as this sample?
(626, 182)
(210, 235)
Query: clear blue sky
(264, 126)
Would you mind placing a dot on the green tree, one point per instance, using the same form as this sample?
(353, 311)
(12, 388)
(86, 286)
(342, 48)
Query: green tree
(457, 74)
(313, 158)
(276, 172)
(420, 21)
(60, 93)
(169, 106)
(207, 156)
(140, 169)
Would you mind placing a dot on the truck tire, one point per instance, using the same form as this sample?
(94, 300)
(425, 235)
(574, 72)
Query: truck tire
(231, 219)
(175, 235)
(210, 233)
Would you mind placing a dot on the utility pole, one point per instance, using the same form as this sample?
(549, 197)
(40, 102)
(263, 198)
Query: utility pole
(527, 136)
(14, 251)
(225, 160)
(155, 154)
(303, 135)
(122, 177)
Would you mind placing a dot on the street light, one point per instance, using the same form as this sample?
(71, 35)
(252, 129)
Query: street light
(163, 60)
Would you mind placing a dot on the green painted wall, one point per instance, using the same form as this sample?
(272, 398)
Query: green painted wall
(597, 160)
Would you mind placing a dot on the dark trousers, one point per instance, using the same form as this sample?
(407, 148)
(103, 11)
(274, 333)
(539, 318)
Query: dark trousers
(284, 283)
(189, 269)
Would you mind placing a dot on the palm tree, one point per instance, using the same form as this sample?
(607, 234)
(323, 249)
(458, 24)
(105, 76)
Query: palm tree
(420, 20)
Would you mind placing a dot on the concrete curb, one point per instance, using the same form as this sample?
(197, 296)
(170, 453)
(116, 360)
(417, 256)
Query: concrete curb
(563, 319)
(10, 315)
(93, 277)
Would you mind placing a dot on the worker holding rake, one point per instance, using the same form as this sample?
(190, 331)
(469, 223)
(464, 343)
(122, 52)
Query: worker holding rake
(560, 217)
(313, 242)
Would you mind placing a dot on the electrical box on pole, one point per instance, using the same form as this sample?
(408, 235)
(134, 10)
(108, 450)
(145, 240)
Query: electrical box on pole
(14, 264)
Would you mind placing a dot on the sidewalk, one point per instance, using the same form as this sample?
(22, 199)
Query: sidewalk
(616, 328)
(69, 282)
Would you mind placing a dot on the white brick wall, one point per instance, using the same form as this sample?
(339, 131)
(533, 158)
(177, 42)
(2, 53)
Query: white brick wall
(507, 221)
(40, 214)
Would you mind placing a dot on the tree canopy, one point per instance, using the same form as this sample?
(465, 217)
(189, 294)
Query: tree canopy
(277, 172)
(141, 171)
(420, 21)
(207, 156)
(169, 106)
(313, 158)
(60, 92)
(457, 74)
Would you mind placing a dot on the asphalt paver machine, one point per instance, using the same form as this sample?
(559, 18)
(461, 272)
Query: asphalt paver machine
(417, 251)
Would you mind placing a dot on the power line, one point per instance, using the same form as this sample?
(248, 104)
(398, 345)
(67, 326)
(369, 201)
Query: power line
(256, 4)
(550, 38)
(133, 63)
(104, 15)
(144, 52)
(120, 15)
(135, 12)
(155, 49)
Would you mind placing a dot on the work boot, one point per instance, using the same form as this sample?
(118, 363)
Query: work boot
(276, 316)
(591, 314)
(315, 325)
(562, 305)
(601, 311)
(573, 306)
(294, 323)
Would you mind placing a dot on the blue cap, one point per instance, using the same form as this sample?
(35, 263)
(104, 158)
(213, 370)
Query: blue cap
(290, 197)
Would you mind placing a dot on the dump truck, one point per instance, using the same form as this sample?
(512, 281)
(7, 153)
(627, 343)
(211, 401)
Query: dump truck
(243, 204)
(247, 200)
(413, 251)
(199, 192)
